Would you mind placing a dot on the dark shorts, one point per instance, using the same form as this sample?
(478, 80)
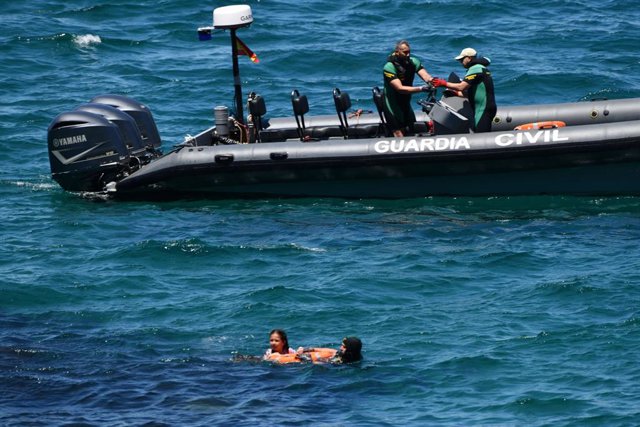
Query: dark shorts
(402, 118)
(484, 123)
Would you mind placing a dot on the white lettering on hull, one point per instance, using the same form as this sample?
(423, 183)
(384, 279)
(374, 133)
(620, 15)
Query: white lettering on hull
(520, 138)
(420, 145)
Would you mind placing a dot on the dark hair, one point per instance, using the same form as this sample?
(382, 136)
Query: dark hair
(353, 348)
(400, 43)
(283, 337)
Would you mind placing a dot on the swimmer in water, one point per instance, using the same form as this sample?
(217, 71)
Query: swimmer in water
(350, 351)
(278, 344)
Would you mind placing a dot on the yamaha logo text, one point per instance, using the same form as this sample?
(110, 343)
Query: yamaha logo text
(70, 140)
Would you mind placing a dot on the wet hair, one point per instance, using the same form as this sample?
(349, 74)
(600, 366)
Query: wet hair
(353, 349)
(283, 337)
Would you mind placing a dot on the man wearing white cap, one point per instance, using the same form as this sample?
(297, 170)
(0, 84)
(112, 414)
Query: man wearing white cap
(479, 83)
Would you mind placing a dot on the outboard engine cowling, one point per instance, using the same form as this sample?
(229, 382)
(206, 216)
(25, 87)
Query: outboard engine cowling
(128, 127)
(86, 151)
(447, 120)
(140, 113)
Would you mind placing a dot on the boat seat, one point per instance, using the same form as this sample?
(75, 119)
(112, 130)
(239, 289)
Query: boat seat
(343, 103)
(321, 127)
(378, 100)
(257, 109)
(300, 108)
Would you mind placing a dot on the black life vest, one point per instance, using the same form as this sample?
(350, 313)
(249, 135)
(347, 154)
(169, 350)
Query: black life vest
(405, 68)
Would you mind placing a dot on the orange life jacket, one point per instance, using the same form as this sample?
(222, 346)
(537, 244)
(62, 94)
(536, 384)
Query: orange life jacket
(318, 355)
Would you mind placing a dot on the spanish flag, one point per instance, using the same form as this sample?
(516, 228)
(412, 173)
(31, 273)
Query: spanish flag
(243, 49)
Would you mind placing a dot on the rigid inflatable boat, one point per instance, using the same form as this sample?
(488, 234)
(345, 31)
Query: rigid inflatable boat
(112, 144)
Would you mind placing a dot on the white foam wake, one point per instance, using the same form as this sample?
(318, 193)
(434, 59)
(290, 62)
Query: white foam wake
(86, 40)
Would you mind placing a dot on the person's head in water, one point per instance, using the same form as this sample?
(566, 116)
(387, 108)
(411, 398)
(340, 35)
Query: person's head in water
(350, 350)
(278, 341)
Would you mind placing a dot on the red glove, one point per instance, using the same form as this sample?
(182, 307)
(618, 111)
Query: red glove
(436, 82)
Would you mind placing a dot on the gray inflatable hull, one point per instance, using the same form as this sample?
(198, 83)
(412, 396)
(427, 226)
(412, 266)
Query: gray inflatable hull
(591, 156)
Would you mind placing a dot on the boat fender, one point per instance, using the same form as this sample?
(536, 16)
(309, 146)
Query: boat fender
(541, 125)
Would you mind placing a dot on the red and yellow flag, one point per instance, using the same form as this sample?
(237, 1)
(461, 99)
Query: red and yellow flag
(243, 49)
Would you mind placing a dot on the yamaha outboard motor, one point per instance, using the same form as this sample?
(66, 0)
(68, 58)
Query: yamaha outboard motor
(86, 151)
(139, 112)
(128, 127)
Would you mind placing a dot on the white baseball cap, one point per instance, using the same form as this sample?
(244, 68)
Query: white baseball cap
(467, 51)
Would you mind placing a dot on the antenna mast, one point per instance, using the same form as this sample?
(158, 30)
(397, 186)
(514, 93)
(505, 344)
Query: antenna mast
(231, 18)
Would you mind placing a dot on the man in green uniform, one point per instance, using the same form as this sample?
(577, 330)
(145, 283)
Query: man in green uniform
(399, 72)
(479, 84)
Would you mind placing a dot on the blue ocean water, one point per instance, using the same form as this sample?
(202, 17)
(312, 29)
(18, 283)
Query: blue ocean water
(473, 311)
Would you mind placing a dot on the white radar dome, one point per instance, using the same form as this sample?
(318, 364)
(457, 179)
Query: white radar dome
(232, 16)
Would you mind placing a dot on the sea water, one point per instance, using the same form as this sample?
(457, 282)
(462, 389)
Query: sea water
(472, 311)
